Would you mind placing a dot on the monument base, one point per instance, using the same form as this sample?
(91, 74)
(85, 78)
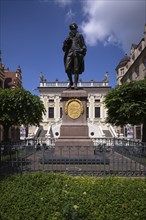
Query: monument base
(74, 130)
(76, 141)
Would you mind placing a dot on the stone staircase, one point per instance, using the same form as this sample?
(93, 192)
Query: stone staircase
(41, 132)
(107, 133)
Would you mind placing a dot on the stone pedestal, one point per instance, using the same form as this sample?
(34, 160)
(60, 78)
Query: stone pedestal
(74, 128)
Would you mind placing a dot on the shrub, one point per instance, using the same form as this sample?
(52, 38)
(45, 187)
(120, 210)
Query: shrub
(48, 196)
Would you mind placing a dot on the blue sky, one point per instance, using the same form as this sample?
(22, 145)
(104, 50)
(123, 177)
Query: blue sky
(33, 31)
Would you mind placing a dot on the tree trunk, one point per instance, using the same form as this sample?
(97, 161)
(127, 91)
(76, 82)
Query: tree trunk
(144, 132)
(6, 139)
(6, 133)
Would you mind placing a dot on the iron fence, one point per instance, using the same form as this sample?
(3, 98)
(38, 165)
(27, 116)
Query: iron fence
(106, 157)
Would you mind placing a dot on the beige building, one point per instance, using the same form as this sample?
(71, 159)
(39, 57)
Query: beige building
(133, 67)
(50, 94)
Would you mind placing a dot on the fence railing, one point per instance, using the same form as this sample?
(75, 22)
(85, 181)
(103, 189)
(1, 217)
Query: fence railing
(106, 157)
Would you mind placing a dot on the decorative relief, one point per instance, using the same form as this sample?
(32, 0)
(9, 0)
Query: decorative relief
(74, 108)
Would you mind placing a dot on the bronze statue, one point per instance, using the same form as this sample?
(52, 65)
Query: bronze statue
(74, 51)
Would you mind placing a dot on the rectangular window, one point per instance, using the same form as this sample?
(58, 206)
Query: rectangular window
(138, 132)
(60, 112)
(50, 100)
(130, 76)
(144, 62)
(133, 57)
(140, 48)
(97, 100)
(137, 70)
(87, 112)
(122, 72)
(51, 112)
(97, 112)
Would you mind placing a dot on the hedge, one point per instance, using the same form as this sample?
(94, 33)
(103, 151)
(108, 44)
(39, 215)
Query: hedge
(49, 196)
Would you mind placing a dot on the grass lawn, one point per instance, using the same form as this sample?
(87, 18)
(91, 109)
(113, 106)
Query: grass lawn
(49, 196)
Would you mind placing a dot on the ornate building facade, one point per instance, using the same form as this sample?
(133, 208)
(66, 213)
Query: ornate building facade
(50, 94)
(133, 67)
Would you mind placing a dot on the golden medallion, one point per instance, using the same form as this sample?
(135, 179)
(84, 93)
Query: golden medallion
(74, 108)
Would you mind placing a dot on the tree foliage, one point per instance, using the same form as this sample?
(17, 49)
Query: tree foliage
(126, 104)
(18, 106)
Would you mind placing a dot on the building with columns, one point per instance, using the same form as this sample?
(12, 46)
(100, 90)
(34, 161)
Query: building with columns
(50, 94)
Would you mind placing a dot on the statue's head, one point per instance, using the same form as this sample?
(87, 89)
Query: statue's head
(73, 26)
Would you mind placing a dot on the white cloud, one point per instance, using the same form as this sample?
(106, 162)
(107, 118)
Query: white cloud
(113, 22)
(70, 15)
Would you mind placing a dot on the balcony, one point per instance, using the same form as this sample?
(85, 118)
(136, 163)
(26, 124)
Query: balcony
(80, 84)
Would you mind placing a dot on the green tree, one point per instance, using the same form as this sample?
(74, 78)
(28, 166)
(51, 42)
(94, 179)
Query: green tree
(126, 104)
(17, 107)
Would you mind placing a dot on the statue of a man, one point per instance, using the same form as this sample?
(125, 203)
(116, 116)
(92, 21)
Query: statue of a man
(74, 51)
